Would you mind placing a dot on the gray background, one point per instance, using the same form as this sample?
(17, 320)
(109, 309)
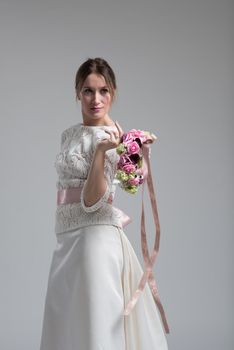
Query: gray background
(173, 62)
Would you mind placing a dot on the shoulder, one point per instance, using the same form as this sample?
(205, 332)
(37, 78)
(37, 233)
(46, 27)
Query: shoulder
(70, 129)
(68, 132)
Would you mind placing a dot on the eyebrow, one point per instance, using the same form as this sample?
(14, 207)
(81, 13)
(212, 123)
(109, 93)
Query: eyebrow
(105, 86)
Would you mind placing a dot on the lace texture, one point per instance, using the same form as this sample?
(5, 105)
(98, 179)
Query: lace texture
(72, 164)
(73, 216)
(98, 204)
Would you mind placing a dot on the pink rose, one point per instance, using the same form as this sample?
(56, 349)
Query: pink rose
(137, 134)
(133, 147)
(134, 181)
(128, 168)
(132, 135)
(124, 160)
(128, 138)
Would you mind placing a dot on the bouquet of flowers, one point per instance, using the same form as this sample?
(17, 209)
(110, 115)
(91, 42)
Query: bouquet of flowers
(130, 172)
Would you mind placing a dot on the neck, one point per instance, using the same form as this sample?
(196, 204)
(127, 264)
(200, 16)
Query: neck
(107, 122)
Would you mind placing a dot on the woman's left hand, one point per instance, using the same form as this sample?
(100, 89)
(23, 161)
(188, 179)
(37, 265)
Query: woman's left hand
(113, 141)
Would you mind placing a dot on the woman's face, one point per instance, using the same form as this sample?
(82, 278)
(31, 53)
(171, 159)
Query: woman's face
(95, 99)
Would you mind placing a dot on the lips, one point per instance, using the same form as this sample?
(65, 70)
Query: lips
(96, 109)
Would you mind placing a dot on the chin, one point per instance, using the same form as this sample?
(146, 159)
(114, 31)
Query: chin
(97, 116)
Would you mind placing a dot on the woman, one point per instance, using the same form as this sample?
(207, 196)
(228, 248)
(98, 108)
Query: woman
(94, 268)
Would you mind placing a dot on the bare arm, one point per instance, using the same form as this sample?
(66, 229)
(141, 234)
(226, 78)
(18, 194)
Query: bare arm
(96, 184)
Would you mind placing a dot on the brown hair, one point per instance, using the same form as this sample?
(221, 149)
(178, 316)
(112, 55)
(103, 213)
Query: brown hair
(98, 66)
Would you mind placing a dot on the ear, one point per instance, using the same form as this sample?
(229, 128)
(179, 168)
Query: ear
(77, 96)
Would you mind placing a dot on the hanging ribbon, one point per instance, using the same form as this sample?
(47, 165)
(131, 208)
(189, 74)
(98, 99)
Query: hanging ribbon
(149, 260)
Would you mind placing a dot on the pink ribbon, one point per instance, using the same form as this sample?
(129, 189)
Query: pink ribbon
(68, 195)
(72, 195)
(149, 260)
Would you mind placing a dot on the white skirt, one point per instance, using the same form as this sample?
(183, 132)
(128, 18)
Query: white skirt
(93, 274)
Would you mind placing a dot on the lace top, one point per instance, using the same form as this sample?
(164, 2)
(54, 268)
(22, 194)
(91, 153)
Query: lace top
(72, 164)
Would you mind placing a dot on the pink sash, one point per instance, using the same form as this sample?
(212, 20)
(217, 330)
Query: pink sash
(72, 195)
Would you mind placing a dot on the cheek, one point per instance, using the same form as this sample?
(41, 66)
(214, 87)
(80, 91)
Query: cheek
(107, 100)
(85, 102)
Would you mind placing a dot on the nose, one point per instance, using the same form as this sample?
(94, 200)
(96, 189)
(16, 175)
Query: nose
(96, 97)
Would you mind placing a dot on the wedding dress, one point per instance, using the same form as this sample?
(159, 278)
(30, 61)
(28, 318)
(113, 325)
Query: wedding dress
(94, 269)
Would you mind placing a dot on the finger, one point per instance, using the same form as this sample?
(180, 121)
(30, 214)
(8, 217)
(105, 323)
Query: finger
(112, 138)
(110, 132)
(121, 132)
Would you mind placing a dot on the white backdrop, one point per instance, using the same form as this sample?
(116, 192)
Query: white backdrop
(173, 63)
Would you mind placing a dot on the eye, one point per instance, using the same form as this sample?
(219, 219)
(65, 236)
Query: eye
(87, 91)
(104, 91)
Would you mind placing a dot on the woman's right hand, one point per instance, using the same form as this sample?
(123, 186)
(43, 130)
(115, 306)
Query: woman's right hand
(113, 141)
